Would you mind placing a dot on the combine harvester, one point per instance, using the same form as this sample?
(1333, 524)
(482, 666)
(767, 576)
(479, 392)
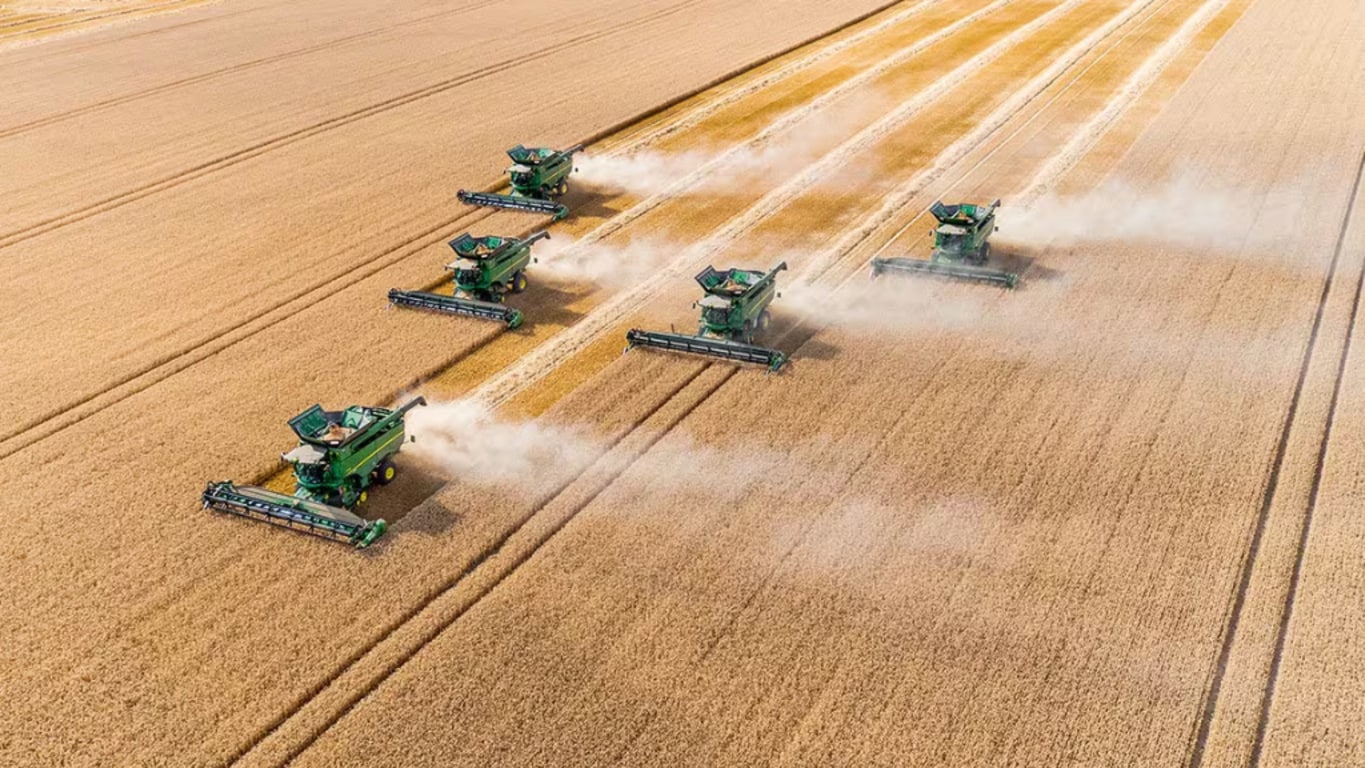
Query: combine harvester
(961, 246)
(734, 308)
(485, 270)
(339, 456)
(537, 176)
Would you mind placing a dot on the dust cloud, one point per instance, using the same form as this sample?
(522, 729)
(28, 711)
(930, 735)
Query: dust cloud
(1183, 212)
(464, 440)
(616, 265)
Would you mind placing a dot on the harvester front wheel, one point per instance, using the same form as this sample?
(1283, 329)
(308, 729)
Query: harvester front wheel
(363, 497)
(385, 473)
(985, 254)
(518, 282)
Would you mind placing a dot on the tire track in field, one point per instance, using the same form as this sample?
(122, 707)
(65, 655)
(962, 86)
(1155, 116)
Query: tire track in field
(72, 16)
(214, 74)
(1287, 611)
(27, 433)
(16, 48)
(266, 146)
(1239, 597)
(20, 20)
(66, 22)
(354, 698)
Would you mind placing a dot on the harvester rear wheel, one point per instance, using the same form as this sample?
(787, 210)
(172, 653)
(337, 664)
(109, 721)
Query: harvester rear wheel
(764, 320)
(518, 282)
(385, 473)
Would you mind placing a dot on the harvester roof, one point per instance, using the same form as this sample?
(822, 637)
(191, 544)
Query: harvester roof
(729, 282)
(467, 246)
(331, 428)
(528, 155)
(967, 214)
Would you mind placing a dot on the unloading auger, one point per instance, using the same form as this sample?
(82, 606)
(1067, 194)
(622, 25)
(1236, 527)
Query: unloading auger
(537, 176)
(961, 246)
(733, 310)
(485, 270)
(339, 456)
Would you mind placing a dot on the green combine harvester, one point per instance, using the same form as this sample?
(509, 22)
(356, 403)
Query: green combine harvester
(339, 456)
(538, 175)
(734, 308)
(961, 246)
(485, 270)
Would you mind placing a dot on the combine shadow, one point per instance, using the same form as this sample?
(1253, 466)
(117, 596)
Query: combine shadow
(1028, 269)
(436, 519)
(799, 342)
(415, 484)
(1024, 263)
(550, 304)
(588, 204)
(812, 348)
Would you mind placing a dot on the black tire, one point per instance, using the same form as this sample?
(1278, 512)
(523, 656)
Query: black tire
(518, 282)
(385, 472)
(985, 254)
(765, 319)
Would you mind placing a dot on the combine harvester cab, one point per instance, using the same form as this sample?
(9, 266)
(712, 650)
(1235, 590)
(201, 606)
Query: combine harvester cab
(734, 309)
(339, 456)
(537, 176)
(485, 270)
(961, 246)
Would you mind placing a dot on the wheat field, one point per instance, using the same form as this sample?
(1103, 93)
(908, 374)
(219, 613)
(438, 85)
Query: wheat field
(1106, 518)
